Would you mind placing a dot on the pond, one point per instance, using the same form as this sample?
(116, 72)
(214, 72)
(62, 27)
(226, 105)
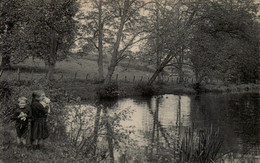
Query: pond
(157, 119)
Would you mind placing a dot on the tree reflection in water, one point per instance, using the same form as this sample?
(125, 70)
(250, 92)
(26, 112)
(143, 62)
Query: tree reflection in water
(177, 129)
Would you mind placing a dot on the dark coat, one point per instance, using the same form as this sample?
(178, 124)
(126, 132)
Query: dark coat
(18, 111)
(21, 126)
(39, 123)
(38, 111)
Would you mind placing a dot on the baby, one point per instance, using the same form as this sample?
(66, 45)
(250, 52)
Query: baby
(46, 103)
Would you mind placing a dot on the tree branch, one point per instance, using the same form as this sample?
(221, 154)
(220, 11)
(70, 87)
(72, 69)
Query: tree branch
(132, 42)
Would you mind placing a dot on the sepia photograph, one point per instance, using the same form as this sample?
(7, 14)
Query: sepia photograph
(130, 81)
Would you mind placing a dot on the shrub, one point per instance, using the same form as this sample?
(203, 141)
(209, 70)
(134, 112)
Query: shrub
(5, 90)
(199, 88)
(107, 91)
(145, 89)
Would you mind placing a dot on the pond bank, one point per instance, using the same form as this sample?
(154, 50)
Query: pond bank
(86, 91)
(59, 150)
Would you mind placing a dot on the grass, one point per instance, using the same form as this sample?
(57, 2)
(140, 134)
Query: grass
(234, 88)
(201, 146)
(56, 152)
(72, 72)
(59, 151)
(83, 67)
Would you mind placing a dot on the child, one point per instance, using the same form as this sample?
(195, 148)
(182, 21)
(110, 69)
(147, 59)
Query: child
(22, 115)
(39, 114)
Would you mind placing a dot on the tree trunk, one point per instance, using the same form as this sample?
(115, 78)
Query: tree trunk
(114, 58)
(6, 46)
(52, 58)
(155, 75)
(100, 43)
(51, 69)
(6, 64)
(96, 128)
(163, 64)
(109, 137)
(110, 72)
(180, 66)
(155, 130)
(158, 54)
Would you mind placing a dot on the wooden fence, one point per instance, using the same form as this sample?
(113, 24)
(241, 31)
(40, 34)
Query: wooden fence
(18, 75)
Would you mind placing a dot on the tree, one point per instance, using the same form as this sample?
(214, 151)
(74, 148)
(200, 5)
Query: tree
(51, 28)
(153, 46)
(93, 27)
(176, 23)
(114, 26)
(225, 41)
(129, 24)
(11, 42)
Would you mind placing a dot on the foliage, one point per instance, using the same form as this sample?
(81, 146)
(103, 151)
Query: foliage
(12, 37)
(71, 126)
(50, 23)
(145, 90)
(107, 91)
(225, 42)
(43, 29)
(192, 146)
(112, 27)
(202, 146)
(5, 90)
(199, 88)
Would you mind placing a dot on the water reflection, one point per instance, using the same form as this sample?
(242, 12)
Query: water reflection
(236, 115)
(161, 120)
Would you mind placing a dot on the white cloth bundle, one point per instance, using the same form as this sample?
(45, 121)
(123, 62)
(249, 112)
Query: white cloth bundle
(45, 102)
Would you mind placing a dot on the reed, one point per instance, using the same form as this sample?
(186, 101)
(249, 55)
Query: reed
(202, 146)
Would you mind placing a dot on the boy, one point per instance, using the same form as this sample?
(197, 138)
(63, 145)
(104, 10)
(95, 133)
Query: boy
(21, 116)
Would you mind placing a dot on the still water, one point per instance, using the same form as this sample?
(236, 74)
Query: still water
(159, 118)
(235, 115)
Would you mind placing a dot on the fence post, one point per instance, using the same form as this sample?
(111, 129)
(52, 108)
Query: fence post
(32, 75)
(116, 77)
(87, 76)
(76, 73)
(177, 81)
(141, 78)
(18, 74)
(134, 79)
(1, 73)
(61, 76)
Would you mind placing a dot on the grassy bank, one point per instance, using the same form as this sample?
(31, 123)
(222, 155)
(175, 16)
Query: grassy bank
(86, 90)
(78, 77)
(63, 149)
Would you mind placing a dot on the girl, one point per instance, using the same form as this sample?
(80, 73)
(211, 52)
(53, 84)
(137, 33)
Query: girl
(22, 115)
(39, 114)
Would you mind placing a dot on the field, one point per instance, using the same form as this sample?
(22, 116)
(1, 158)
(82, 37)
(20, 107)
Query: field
(79, 77)
(79, 66)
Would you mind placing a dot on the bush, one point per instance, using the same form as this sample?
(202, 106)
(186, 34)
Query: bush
(5, 90)
(107, 91)
(199, 88)
(145, 89)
